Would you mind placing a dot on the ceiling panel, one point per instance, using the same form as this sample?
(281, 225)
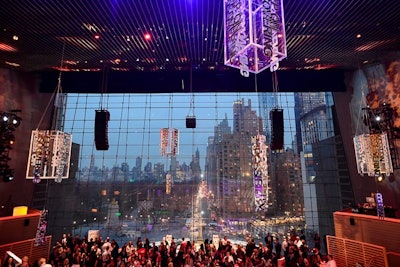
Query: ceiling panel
(156, 35)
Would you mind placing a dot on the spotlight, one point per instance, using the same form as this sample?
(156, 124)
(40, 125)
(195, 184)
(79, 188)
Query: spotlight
(380, 178)
(378, 118)
(7, 175)
(10, 120)
(16, 121)
(5, 117)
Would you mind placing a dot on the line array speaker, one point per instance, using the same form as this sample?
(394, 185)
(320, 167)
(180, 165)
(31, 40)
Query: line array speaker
(101, 129)
(277, 132)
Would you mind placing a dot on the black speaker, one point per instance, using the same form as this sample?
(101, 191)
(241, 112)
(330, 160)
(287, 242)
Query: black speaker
(190, 122)
(277, 131)
(352, 222)
(101, 129)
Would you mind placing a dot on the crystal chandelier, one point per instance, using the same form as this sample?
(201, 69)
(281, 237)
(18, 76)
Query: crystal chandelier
(49, 155)
(260, 171)
(373, 154)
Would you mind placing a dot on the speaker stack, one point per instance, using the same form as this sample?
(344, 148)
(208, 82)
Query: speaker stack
(101, 129)
(276, 116)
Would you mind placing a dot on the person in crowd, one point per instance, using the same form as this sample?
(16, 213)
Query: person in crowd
(278, 248)
(25, 262)
(285, 247)
(268, 239)
(9, 262)
(187, 255)
(331, 261)
(317, 241)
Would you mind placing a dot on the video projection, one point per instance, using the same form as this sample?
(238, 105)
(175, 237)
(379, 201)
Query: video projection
(207, 186)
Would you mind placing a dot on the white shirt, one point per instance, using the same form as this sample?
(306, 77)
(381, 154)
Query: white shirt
(331, 263)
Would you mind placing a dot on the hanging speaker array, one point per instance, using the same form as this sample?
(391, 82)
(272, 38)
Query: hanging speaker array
(101, 129)
(277, 132)
(190, 122)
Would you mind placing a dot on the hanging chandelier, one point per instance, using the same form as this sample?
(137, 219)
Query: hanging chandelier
(260, 171)
(254, 35)
(169, 141)
(373, 154)
(49, 155)
(168, 183)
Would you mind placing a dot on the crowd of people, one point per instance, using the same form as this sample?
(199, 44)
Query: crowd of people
(74, 251)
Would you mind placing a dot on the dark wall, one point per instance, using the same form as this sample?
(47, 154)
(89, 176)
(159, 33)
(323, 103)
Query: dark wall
(20, 91)
(360, 84)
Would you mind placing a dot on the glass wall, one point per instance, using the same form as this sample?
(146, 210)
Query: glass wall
(207, 187)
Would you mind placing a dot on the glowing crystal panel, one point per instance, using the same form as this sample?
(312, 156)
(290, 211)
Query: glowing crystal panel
(169, 141)
(372, 154)
(254, 35)
(49, 155)
(168, 184)
(260, 172)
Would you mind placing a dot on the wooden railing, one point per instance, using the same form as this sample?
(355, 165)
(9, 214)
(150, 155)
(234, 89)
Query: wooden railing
(349, 252)
(27, 248)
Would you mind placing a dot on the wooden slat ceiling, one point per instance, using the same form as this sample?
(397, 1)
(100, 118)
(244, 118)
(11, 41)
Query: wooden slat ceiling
(88, 34)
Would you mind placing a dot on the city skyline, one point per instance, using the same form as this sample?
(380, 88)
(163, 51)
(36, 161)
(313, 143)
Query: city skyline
(136, 119)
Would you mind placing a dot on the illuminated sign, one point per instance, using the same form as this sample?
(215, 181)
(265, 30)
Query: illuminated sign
(380, 208)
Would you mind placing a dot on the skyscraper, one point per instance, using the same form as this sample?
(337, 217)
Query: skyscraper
(234, 157)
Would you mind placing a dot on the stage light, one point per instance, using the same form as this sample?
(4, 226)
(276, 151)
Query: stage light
(7, 175)
(5, 117)
(16, 121)
(10, 120)
(380, 178)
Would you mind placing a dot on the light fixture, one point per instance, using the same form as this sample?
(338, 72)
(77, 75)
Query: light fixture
(7, 175)
(169, 141)
(380, 178)
(10, 120)
(372, 153)
(147, 36)
(53, 163)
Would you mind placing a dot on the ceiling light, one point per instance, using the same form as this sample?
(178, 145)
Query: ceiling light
(15, 38)
(12, 64)
(147, 36)
(358, 35)
(7, 48)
